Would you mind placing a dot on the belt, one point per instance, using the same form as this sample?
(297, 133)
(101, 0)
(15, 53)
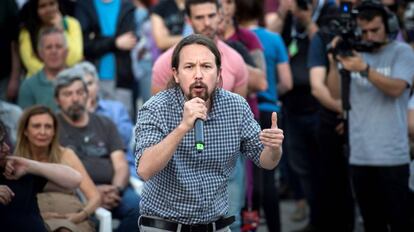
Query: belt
(172, 226)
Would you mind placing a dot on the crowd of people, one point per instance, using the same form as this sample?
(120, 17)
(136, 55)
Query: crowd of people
(315, 95)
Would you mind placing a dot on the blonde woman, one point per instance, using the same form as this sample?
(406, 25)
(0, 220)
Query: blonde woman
(37, 139)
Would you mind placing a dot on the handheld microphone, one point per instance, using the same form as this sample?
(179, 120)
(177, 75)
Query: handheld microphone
(199, 134)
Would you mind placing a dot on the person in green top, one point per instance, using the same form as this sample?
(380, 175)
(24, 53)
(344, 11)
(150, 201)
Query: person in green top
(39, 88)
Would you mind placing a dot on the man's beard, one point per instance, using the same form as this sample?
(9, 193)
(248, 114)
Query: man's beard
(209, 32)
(75, 111)
(203, 95)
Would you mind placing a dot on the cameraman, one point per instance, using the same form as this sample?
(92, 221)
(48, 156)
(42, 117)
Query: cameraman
(379, 92)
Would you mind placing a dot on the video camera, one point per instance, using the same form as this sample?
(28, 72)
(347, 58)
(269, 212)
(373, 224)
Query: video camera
(350, 35)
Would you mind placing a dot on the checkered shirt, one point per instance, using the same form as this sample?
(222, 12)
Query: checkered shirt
(192, 188)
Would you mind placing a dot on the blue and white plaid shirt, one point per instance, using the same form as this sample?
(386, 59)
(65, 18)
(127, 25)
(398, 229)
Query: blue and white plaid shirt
(192, 188)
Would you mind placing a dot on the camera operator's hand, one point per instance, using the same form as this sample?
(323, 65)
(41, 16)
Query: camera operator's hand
(334, 41)
(353, 63)
(331, 47)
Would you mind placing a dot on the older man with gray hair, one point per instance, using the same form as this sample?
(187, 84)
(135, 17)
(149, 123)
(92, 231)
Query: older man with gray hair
(96, 141)
(112, 109)
(38, 89)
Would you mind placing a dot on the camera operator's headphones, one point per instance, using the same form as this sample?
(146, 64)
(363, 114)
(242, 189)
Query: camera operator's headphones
(389, 19)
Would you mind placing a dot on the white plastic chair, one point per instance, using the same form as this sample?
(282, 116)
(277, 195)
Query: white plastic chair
(105, 219)
(137, 184)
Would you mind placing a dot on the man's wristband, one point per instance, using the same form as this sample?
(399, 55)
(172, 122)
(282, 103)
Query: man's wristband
(365, 72)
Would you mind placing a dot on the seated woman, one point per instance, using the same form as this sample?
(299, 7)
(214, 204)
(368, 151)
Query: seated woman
(37, 140)
(37, 14)
(20, 181)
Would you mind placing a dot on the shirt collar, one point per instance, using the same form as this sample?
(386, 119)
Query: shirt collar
(43, 79)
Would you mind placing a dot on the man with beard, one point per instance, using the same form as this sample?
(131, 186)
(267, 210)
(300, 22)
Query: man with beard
(186, 189)
(380, 83)
(204, 18)
(96, 141)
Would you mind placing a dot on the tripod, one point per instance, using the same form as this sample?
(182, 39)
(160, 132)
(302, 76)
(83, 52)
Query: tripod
(346, 106)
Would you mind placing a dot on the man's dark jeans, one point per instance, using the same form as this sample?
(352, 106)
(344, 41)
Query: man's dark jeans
(302, 153)
(383, 197)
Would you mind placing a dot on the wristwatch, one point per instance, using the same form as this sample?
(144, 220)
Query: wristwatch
(364, 73)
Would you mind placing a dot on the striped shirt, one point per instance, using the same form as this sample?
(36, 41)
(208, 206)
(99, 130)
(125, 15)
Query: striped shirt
(192, 188)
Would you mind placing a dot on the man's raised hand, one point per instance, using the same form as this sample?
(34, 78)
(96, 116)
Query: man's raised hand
(272, 137)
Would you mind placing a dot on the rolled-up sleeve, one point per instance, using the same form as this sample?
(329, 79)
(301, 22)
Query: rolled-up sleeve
(148, 131)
